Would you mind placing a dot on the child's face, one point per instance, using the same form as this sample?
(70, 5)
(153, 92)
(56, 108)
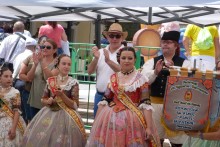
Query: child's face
(6, 78)
(64, 65)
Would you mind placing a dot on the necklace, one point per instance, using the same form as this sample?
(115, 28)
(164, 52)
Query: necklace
(5, 89)
(127, 73)
(61, 78)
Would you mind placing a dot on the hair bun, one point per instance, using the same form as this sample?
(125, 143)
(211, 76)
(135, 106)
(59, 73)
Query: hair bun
(7, 65)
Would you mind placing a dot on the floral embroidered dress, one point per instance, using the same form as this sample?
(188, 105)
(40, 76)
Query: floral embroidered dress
(117, 125)
(8, 103)
(57, 125)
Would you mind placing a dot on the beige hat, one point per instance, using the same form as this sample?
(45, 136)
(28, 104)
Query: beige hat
(115, 28)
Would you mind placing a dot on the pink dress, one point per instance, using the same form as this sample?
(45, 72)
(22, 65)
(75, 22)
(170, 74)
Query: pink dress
(116, 125)
(52, 33)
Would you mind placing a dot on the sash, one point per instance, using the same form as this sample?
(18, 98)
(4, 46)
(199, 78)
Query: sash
(75, 117)
(4, 107)
(119, 91)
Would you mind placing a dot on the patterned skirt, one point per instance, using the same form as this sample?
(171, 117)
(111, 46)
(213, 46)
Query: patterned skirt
(53, 129)
(121, 129)
(5, 125)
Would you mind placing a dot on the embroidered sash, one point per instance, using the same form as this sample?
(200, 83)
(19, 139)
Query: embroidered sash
(75, 117)
(9, 112)
(129, 104)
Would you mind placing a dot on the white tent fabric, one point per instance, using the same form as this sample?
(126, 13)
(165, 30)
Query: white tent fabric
(200, 12)
(107, 3)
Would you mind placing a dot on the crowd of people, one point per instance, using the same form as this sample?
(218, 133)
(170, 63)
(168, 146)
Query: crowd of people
(39, 100)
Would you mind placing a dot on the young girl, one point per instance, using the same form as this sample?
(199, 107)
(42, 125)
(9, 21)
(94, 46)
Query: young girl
(58, 124)
(11, 123)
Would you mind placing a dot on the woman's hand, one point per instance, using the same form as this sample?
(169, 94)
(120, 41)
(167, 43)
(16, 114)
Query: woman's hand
(149, 133)
(12, 133)
(50, 101)
(40, 55)
(59, 93)
(37, 57)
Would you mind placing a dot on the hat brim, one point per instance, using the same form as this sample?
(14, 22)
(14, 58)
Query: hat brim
(124, 34)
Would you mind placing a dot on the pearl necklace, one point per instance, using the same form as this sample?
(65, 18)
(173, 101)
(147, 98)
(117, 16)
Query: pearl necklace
(127, 73)
(5, 89)
(62, 79)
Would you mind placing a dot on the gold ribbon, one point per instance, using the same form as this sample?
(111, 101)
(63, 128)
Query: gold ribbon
(128, 103)
(72, 114)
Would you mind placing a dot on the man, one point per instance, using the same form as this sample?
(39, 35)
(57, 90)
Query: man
(30, 47)
(209, 56)
(14, 44)
(105, 60)
(157, 75)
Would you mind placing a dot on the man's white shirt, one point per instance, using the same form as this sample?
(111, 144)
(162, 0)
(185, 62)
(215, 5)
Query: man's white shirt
(7, 46)
(19, 60)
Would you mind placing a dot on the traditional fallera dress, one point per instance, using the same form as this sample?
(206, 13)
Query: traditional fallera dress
(121, 121)
(8, 104)
(57, 125)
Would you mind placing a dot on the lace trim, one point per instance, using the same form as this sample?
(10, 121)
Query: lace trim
(12, 93)
(146, 106)
(70, 83)
(139, 81)
(103, 103)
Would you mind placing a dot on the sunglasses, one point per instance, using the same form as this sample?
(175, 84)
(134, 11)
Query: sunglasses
(47, 47)
(117, 36)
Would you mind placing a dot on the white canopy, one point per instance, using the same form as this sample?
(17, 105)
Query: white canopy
(107, 3)
(200, 12)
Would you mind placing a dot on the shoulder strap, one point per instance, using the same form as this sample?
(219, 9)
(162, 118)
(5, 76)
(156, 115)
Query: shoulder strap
(20, 35)
(11, 53)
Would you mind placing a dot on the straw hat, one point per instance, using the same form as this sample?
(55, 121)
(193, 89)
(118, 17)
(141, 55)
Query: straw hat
(116, 28)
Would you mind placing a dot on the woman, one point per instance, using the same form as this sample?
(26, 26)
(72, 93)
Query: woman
(55, 32)
(124, 117)
(58, 124)
(25, 68)
(42, 68)
(12, 125)
(210, 139)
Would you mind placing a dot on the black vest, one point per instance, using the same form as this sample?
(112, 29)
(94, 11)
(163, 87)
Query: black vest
(159, 85)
